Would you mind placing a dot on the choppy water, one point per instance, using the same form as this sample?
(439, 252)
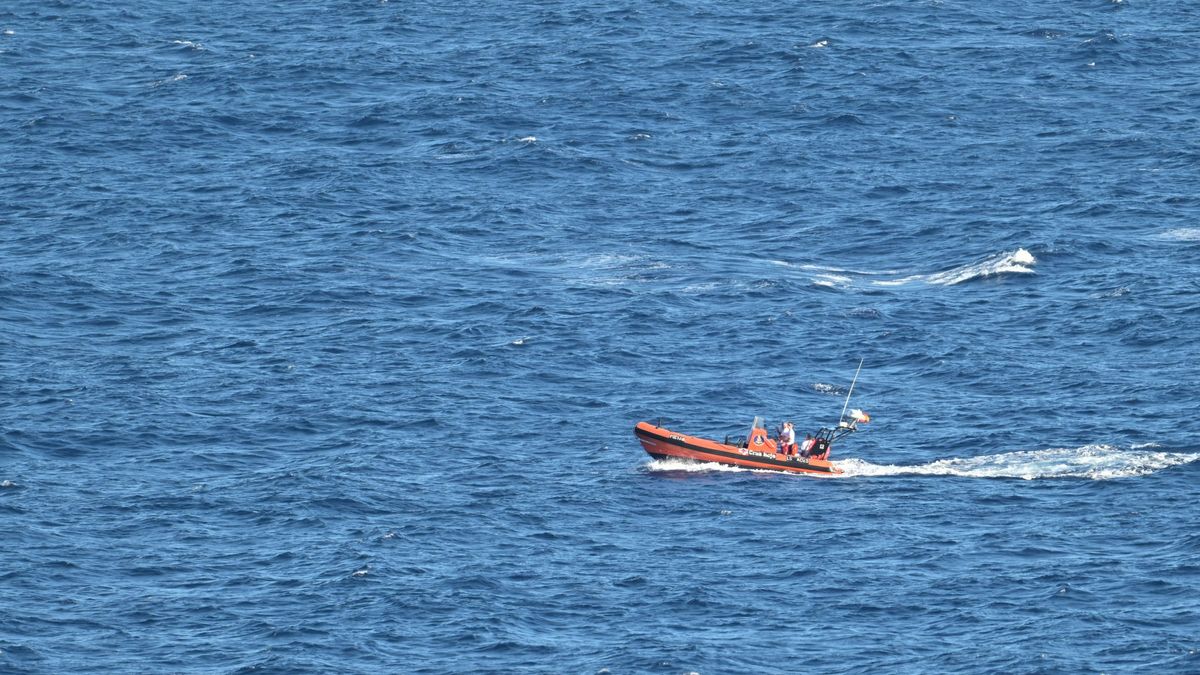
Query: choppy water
(325, 327)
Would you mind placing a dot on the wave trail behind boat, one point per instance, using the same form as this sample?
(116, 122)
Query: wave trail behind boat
(1019, 261)
(1095, 462)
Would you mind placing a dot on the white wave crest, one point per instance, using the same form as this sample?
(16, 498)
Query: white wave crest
(1095, 462)
(822, 388)
(832, 280)
(1182, 234)
(690, 466)
(177, 78)
(1019, 261)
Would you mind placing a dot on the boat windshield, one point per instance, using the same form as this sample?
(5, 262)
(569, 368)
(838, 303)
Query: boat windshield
(757, 424)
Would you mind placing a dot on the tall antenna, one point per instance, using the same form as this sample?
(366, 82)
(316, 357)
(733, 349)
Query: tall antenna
(842, 417)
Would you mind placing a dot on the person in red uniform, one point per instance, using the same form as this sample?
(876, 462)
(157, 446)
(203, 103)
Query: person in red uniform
(787, 439)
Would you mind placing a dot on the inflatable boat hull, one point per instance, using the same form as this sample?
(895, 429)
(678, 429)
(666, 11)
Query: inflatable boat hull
(755, 453)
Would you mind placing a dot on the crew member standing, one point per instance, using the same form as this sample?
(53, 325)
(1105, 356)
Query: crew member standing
(787, 439)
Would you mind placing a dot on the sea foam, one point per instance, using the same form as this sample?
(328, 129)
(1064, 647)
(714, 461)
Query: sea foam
(1019, 261)
(1095, 462)
(1182, 234)
(690, 466)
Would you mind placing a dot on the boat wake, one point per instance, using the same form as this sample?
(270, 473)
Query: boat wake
(692, 466)
(1019, 261)
(1095, 462)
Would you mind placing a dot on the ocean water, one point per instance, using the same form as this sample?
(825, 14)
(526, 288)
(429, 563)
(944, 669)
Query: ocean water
(324, 327)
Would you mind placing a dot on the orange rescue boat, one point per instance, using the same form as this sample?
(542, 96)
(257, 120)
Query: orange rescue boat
(756, 451)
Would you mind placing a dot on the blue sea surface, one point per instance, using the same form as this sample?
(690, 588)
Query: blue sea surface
(324, 327)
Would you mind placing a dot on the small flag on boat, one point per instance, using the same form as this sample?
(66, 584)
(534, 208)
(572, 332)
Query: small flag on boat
(860, 416)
